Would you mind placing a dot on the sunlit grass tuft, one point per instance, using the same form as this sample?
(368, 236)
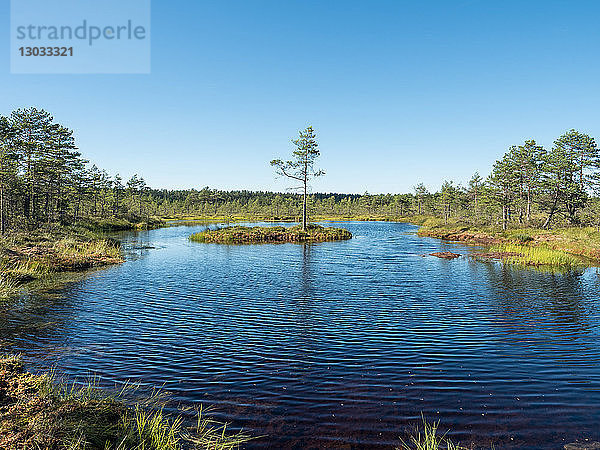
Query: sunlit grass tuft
(536, 256)
(99, 248)
(428, 437)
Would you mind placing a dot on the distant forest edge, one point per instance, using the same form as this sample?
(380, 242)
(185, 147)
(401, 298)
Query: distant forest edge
(44, 179)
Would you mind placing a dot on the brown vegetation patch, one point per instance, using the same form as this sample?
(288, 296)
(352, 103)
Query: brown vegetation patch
(445, 255)
(461, 236)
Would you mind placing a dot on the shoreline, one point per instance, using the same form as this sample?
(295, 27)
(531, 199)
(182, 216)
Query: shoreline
(37, 410)
(28, 256)
(561, 247)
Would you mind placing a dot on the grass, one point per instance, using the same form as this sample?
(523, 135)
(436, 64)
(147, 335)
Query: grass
(121, 223)
(252, 235)
(559, 247)
(536, 256)
(25, 257)
(428, 437)
(38, 411)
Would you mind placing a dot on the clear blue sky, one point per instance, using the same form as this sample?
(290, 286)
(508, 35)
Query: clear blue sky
(399, 92)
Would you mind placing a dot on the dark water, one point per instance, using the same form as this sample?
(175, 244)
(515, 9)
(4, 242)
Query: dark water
(339, 345)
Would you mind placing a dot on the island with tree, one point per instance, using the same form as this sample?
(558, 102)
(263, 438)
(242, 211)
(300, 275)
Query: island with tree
(301, 169)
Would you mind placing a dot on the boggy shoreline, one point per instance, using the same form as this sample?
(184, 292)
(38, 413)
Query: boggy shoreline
(26, 256)
(562, 247)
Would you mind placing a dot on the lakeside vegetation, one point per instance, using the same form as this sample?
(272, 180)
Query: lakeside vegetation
(537, 207)
(570, 247)
(38, 254)
(427, 437)
(44, 179)
(40, 411)
(252, 235)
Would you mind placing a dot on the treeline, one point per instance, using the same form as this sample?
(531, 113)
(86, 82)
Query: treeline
(528, 186)
(532, 186)
(45, 179)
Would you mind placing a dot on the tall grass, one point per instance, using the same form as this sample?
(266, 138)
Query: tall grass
(72, 248)
(541, 255)
(24, 258)
(41, 411)
(428, 437)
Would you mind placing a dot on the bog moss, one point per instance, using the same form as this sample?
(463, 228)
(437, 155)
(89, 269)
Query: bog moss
(253, 235)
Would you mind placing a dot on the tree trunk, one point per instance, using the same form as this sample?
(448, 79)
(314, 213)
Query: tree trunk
(2, 225)
(552, 210)
(528, 205)
(304, 209)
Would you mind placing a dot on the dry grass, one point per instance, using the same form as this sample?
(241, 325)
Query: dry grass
(28, 256)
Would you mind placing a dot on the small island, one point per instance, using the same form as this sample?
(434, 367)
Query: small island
(301, 169)
(257, 235)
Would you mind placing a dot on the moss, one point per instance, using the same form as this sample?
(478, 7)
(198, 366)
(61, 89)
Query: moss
(36, 411)
(251, 235)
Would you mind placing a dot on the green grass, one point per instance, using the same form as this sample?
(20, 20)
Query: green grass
(427, 437)
(121, 223)
(28, 256)
(559, 247)
(537, 256)
(39, 411)
(251, 235)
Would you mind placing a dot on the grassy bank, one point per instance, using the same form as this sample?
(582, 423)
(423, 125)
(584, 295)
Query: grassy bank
(252, 235)
(122, 224)
(562, 247)
(30, 255)
(27, 256)
(37, 411)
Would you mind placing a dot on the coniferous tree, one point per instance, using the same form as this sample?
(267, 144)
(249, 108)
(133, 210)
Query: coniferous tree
(302, 166)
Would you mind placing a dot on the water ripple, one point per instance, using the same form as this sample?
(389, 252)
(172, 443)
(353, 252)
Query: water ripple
(340, 344)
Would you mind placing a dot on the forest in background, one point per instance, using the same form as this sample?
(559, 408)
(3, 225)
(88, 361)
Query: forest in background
(44, 179)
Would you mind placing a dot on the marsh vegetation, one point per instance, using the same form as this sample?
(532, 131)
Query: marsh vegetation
(27, 256)
(41, 411)
(258, 234)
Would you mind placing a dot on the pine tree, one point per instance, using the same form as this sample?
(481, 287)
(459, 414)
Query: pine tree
(301, 167)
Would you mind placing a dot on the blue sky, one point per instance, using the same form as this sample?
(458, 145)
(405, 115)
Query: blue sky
(399, 92)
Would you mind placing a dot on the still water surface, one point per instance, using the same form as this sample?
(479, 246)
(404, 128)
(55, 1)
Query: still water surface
(333, 345)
